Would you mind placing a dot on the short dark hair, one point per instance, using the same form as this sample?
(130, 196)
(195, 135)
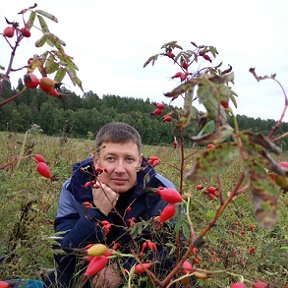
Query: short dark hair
(118, 132)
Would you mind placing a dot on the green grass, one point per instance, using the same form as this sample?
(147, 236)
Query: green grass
(28, 205)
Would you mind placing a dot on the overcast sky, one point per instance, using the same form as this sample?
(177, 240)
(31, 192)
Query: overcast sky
(110, 41)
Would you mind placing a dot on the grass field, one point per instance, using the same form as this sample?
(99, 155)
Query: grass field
(28, 205)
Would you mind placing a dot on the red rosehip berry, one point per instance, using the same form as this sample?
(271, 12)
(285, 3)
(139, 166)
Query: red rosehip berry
(252, 227)
(212, 196)
(260, 284)
(25, 32)
(202, 52)
(139, 268)
(54, 92)
(4, 284)
(225, 104)
(169, 195)
(185, 65)
(157, 112)
(252, 250)
(283, 164)
(207, 57)
(210, 146)
(211, 190)
(167, 118)
(177, 75)
(9, 31)
(39, 158)
(160, 105)
(167, 213)
(31, 80)
(96, 265)
(170, 55)
(43, 169)
(238, 285)
(183, 76)
(187, 268)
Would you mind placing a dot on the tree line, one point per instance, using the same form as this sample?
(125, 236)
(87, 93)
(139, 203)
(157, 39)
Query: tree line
(81, 117)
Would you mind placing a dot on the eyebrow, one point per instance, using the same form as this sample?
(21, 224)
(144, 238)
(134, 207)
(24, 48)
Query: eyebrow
(114, 154)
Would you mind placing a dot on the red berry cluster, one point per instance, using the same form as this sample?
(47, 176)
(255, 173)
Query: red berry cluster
(159, 109)
(106, 226)
(10, 30)
(41, 166)
(153, 160)
(147, 245)
(48, 85)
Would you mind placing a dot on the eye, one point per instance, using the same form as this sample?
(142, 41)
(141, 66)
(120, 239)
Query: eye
(110, 159)
(130, 159)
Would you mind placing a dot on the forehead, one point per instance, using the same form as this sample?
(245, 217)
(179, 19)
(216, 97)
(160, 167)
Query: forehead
(127, 148)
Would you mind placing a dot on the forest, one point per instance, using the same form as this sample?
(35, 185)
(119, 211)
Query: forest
(81, 116)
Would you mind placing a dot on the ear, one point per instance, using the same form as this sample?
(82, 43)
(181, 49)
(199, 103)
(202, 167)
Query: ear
(140, 160)
(95, 160)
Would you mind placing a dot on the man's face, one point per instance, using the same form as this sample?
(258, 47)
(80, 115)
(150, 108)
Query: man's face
(121, 162)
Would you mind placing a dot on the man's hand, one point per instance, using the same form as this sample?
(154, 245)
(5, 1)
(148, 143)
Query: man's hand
(104, 198)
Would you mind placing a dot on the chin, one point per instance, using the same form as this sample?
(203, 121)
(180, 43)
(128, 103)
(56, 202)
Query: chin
(120, 188)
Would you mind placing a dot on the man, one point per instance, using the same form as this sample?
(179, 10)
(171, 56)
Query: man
(119, 192)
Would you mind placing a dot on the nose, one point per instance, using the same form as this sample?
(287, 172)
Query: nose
(120, 168)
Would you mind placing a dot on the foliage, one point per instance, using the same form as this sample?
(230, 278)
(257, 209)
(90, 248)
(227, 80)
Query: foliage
(76, 116)
(49, 62)
(269, 262)
(230, 205)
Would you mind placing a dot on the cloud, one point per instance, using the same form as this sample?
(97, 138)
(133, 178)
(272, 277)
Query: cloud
(110, 40)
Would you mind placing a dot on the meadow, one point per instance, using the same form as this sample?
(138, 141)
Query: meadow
(235, 247)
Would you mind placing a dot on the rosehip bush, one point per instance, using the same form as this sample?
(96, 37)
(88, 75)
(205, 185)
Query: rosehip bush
(54, 61)
(221, 143)
(186, 235)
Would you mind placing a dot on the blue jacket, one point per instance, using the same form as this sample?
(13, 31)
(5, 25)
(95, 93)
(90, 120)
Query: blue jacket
(78, 230)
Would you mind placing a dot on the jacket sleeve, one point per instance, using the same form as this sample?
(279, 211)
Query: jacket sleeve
(76, 230)
(72, 222)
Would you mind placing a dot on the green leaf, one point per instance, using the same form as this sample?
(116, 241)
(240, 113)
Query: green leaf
(66, 60)
(60, 75)
(51, 66)
(264, 193)
(218, 136)
(208, 99)
(43, 24)
(208, 128)
(233, 99)
(79, 83)
(186, 230)
(71, 65)
(182, 88)
(54, 39)
(213, 51)
(47, 15)
(261, 140)
(187, 112)
(151, 59)
(212, 161)
(74, 78)
(31, 19)
(40, 42)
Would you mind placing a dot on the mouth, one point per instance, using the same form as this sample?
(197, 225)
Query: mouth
(119, 181)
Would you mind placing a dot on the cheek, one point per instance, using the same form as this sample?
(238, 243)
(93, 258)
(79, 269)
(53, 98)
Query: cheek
(133, 173)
